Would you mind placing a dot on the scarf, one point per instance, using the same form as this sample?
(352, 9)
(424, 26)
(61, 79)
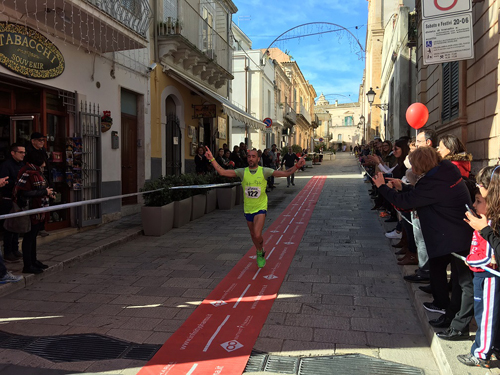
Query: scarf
(31, 178)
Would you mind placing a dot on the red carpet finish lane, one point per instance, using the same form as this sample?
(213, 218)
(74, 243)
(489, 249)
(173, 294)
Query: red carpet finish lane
(219, 335)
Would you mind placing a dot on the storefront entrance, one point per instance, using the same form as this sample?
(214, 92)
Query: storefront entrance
(24, 109)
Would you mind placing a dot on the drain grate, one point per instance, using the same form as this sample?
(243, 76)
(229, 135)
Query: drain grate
(282, 365)
(256, 362)
(349, 364)
(76, 348)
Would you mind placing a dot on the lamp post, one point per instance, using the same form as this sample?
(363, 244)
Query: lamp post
(384, 107)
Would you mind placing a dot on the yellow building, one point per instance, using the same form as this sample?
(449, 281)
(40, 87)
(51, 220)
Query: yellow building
(190, 88)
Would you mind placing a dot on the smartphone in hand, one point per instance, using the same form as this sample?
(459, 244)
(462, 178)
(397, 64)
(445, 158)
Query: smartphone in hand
(471, 211)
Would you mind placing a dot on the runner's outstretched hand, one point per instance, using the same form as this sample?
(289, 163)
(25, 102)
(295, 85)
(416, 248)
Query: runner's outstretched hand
(208, 153)
(301, 163)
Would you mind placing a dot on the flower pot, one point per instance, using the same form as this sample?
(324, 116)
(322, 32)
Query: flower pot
(211, 201)
(199, 205)
(239, 195)
(105, 126)
(226, 198)
(156, 221)
(309, 163)
(182, 214)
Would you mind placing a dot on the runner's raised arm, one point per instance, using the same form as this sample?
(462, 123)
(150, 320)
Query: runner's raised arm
(217, 167)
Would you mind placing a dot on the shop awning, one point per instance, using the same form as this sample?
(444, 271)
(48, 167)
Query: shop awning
(228, 107)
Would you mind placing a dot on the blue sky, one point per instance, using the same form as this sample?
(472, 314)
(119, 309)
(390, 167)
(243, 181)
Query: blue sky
(329, 61)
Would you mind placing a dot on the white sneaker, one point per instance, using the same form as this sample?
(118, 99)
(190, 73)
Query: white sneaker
(394, 235)
(10, 278)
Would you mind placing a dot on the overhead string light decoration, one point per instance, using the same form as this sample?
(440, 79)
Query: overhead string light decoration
(81, 31)
(54, 11)
(64, 22)
(72, 25)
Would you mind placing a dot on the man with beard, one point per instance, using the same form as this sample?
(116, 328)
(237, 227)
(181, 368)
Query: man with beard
(254, 182)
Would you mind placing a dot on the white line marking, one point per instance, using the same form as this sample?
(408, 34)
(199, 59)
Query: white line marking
(292, 220)
(279, 240)
(192, 369)
(288, 226)
(268, 255)
(256, 273)
(241, 297)
(215, 334)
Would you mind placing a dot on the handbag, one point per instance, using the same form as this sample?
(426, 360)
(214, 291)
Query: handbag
(20, 224)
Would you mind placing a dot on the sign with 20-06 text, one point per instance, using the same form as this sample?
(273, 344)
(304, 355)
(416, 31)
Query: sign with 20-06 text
(447, 39)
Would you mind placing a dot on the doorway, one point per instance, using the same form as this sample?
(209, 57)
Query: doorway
(173, 140)
(129, 146)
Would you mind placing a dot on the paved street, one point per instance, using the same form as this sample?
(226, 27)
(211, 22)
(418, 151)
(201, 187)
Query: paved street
(343, 293)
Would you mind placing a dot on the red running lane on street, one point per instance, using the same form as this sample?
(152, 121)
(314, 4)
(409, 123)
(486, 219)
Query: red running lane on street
(219, 335)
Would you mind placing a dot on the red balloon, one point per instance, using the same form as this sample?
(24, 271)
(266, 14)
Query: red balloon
(417, 115)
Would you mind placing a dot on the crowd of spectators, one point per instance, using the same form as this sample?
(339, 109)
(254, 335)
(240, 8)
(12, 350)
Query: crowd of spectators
(426, 186)
(227, 159)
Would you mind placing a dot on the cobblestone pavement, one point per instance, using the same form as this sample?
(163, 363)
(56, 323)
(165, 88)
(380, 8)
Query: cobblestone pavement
(343, 293)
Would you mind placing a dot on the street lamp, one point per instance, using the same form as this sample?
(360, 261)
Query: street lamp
(371, 98)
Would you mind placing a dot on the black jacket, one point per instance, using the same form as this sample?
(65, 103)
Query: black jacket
(439, 198)
(10, 168)
(489, 235)
(289, 160)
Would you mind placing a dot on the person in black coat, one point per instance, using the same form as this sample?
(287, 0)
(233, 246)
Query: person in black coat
(201, 162)
(439, 197)
(10, 168)
(289, 160)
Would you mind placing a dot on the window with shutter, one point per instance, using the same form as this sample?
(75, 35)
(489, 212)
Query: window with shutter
(450, 91)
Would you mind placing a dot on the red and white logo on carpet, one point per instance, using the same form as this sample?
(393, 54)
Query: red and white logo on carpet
(231, 346)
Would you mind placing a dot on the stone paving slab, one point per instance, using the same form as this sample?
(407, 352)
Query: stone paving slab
(343, 292)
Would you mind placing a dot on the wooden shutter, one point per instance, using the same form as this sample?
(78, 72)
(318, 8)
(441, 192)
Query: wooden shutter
(450, 90)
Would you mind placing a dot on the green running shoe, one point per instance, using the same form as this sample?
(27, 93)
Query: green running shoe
(261, 259)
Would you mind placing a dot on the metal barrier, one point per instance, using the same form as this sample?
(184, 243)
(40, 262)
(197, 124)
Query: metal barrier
(100, 200)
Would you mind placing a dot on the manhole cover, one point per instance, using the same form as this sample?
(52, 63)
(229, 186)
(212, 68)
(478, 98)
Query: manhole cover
(349, 364)
(76, 348)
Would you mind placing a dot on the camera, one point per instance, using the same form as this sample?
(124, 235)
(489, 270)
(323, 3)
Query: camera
(151, 67)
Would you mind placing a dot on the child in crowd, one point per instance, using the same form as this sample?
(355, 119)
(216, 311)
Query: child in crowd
(486, 285)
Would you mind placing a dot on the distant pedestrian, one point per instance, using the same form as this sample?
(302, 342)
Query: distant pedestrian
(289, 161)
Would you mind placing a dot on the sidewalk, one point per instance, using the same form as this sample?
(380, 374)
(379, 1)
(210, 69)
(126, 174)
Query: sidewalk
(66, 250)
(343, 293)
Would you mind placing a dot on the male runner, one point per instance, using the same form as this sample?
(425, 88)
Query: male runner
(254, 182)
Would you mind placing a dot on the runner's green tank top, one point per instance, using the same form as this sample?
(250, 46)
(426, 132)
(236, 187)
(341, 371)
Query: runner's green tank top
(254, 191)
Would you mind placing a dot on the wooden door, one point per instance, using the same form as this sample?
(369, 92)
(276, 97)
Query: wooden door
(129, 157)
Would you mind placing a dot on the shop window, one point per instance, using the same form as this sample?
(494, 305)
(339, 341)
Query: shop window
(28, 101)
(5, 100)
(450, 90)
(54, 102)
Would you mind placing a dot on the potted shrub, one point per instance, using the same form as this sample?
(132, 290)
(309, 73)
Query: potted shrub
(211, 194)
(309, 162)
(226, 196)
(157, 214)
(199, 197)
(182, 199)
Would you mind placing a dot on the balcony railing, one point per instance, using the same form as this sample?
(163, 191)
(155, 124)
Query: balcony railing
(201, 35)
(279, 115)
(304, 112)
(134, 14)
(290, 114)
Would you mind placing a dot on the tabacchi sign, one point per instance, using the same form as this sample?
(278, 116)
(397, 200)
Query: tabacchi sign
(27, 52)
